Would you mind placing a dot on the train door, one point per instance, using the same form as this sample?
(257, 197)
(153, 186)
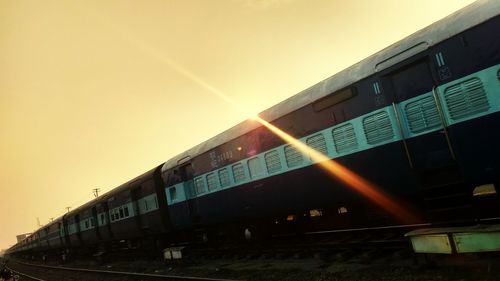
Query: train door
(65, 231)
(428, 143)
(78, 230)
(135, 195)
(107, 219)
(61, 232)
(95, 222)
(186, 173)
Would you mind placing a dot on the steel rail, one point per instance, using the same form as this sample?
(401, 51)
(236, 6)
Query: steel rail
(25, 275)
(167, 277)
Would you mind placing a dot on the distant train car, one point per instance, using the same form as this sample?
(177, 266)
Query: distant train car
(418, 119)
(137, 208)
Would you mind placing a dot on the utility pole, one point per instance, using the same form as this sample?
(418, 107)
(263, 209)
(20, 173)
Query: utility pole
(96, 192)
(67, 209)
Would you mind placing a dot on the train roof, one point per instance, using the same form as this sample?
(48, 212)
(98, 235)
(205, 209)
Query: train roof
(474, 14)
(123, 187)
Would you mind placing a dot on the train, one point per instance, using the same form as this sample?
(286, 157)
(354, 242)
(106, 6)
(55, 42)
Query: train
(419, 121)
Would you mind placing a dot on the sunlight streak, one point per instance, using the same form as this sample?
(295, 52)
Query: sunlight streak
(345, 175)
(333, 168)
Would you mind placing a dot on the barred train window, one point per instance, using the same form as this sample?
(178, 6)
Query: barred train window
(273, 163)
(254, 167)
(422, 115)
(344, 138)
(318, 143)
(211, 181)
(125, 209)
(238, 172)
(293, 157)
(223, 177)
(199, 185)
(466, 98)
(378, 127)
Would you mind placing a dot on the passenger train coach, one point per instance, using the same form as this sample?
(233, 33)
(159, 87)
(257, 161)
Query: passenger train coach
(419, 119)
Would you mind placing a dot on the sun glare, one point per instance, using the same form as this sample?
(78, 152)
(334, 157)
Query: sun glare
(354, 181)
(333, 168)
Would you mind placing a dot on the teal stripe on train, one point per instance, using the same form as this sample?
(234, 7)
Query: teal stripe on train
(461, 100)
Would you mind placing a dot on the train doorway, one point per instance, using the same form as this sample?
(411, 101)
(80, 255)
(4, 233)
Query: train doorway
(187, 174)
(428, 143)
(417, 98)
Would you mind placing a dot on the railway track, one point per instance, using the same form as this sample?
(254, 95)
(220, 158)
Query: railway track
(44, 272)
(17, 275)
(323, 243)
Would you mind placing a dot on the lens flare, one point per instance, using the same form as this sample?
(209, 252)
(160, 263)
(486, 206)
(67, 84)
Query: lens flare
(334, 169)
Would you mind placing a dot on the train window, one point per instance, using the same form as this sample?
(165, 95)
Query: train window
(422, 114)
(121, 213)
(102, 219)
(378, 127)
(156, 202)
(273, 163)
(125, 210)
(223, 177)
(254, 167)
(344, 138)
(466, 98)
(199, 185)
(211, 181)
(293, 157)
(146, 204)
(92, 222)
(173, 193)
(238, 172)
(334, 98)
(318, 143)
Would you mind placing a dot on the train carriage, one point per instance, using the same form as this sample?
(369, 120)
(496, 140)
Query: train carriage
(418, 120)
(54, 238)
(135, 210)
(88, 224)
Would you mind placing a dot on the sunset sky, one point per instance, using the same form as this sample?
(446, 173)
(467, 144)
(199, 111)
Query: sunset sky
(94, 93)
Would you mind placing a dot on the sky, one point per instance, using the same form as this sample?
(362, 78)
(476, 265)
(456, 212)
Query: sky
(96, 92)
